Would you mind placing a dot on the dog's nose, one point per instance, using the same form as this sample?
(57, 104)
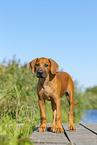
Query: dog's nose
(40, 71)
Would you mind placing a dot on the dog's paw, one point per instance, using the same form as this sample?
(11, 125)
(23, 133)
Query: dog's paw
(72, 127)
(42, 128)
(51, 128)
(59, 129)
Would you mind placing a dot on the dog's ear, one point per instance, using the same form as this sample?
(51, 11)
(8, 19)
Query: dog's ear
(32, 65)
(54, 66)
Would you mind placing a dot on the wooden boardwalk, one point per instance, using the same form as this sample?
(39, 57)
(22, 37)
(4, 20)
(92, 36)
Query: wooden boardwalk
(85, 134)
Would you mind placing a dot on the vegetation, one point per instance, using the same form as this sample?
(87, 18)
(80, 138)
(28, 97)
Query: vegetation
(18, 103)
(90, 98)
(19, 110)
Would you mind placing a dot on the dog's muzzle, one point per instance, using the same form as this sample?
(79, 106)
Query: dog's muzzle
(41, 73)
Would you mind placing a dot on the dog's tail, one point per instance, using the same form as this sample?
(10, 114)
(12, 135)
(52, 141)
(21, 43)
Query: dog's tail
(75, 103)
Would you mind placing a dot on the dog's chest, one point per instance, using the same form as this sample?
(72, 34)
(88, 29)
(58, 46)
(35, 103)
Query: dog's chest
(46, 92)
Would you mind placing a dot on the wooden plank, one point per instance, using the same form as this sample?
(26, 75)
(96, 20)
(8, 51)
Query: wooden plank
(90, 126)
(81, 136)
(48, 138)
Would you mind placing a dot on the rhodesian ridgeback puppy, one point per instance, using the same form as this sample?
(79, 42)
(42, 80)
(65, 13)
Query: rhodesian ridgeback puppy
(51, 86)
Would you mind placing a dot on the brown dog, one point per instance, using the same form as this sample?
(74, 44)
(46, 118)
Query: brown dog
(51, 86)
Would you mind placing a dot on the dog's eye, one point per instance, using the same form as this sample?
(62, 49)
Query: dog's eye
(46, 65)
(37, 64)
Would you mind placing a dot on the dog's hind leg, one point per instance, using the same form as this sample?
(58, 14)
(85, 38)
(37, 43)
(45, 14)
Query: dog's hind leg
(70, 98)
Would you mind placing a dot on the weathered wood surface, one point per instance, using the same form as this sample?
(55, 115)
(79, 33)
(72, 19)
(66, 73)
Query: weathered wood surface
(82, 136)
(48, 138)
(90, 126)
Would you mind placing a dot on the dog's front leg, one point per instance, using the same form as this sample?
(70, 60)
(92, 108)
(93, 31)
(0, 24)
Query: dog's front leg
(59, 127)
(52, 127)
(42, 114)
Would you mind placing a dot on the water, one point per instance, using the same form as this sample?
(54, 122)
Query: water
(90, 116)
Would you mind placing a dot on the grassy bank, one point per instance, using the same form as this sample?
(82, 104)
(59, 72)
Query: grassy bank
(19, 110)
(90, 98)
(18, 103)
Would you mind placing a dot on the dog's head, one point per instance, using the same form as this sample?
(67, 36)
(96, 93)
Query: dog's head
(43, 66)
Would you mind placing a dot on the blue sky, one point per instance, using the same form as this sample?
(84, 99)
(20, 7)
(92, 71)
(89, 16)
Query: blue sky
(65, 31)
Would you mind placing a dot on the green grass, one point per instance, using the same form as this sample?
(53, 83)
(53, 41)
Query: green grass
(19, 110)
